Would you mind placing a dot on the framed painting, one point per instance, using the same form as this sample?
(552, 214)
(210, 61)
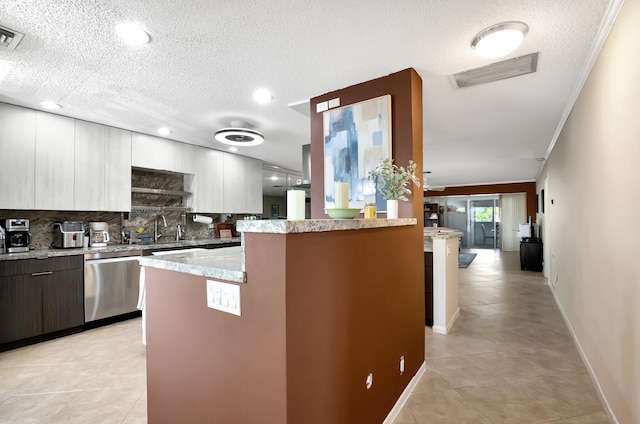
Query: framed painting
(275, 210)
(356, 138)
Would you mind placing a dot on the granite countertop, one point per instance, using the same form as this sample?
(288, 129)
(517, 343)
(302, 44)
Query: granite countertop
(52, 252)
(225, 263)
(281, 226)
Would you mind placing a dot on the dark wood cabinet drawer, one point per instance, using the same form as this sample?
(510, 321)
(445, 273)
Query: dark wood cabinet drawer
(31, 266)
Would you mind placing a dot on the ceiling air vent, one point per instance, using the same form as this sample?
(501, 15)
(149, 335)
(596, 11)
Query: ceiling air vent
(9, 38)
(495, 71)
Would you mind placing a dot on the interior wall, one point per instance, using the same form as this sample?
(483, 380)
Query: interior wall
(591, 205)
(529, 188)
(405, 88)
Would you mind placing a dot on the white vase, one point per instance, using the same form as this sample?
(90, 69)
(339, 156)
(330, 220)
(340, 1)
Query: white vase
(392, 209)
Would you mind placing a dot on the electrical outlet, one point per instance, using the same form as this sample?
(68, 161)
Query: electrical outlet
(224, 297)
(369, 381)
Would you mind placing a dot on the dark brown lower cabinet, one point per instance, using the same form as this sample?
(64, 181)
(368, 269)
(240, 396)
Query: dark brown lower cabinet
(40, 296)
(428, 288)
(20, 308)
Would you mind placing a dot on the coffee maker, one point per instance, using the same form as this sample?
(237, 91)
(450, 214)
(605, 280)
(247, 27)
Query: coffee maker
(98, 234)
(17, 235)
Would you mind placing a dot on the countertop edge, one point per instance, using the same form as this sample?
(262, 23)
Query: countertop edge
(280, 226)
(53, 252)
(200, 270)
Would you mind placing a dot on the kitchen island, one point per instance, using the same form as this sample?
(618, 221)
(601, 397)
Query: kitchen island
(329, 325)
(441, 247)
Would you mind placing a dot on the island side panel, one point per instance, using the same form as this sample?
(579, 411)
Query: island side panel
(355, 305)
(207, 366)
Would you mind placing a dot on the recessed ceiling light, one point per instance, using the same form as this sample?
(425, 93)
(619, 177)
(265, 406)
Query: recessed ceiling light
(164, 131)
(50, 105)
(132, 34)
(262, 95)
(239, 137)
(500, 39)
(233, 149)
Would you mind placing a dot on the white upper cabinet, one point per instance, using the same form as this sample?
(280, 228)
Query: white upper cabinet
(161, 154)
(102, 168)
(54, 165)
(206, 186)
(242, 184)
(17, 150)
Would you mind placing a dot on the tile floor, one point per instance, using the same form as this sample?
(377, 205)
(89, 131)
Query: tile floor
(509, 359)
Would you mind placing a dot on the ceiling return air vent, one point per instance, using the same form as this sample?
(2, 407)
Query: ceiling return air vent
(495, 71)
(9, 38)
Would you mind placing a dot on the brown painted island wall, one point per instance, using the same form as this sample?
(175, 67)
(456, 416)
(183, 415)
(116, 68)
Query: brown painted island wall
(320, 311)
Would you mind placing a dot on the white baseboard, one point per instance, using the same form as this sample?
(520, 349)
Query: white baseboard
(445, 330)
(393, 414)
(585, 360)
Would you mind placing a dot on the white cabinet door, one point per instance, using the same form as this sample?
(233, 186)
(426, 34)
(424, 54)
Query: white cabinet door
(242, 184)
(102, 168)
(54, 162)
(89, 166)
(161, 154)
(117, 170)
(17, 150)
(206, 185)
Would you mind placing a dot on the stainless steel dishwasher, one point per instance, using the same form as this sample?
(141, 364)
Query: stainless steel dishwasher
(111, 281)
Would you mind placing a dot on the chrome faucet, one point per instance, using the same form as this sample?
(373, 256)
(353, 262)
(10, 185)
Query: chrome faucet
(156, 236)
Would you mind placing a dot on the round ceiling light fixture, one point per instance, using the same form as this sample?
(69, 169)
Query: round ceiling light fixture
(239, 137)
(132, 34)
(50, 105)
(500, 39)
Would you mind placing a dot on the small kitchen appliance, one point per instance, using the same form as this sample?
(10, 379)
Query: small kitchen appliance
(17, 236)
(98, 234)
(68, 234)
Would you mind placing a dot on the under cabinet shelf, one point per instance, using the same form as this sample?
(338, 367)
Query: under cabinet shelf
(159, 191)
(146, 208)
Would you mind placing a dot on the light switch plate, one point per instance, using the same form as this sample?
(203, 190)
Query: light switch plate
(224, 297)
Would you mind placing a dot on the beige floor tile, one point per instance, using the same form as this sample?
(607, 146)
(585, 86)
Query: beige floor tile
(100, 406)
(138, 413)
(558, 395)
(461, 371)
(404, 417)
(594, 418)
(444, 407)
(503, 403)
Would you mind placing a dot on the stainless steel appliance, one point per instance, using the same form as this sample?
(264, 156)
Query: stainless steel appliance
(17, 236)
(111, 282)
(98, 234)
(68, 234)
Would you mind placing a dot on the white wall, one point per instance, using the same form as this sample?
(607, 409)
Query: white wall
(592, 228)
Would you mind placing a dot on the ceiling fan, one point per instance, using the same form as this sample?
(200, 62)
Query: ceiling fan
(427, 186)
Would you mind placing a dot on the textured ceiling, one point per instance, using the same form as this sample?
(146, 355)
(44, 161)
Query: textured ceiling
(206, 58)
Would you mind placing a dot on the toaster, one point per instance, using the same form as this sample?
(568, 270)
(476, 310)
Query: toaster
(68, 234)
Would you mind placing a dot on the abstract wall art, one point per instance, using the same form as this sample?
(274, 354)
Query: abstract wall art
(356, 138)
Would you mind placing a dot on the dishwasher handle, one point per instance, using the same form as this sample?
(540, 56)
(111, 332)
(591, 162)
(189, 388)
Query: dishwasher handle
(35, 274)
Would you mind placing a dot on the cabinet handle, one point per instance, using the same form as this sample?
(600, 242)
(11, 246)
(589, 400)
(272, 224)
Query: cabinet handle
(35, 274)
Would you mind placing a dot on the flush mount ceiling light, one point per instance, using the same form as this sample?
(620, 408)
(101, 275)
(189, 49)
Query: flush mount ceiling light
(262, 95)
(500, 39)
(239, 137)
(50, 105)
(132, 34)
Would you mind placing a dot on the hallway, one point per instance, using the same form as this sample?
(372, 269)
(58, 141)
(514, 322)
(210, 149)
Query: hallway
(508, 359)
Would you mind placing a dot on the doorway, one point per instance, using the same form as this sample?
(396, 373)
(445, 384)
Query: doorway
(477, 217)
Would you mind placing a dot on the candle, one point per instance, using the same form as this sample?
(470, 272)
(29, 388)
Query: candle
(341, 195)
(295, 205)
